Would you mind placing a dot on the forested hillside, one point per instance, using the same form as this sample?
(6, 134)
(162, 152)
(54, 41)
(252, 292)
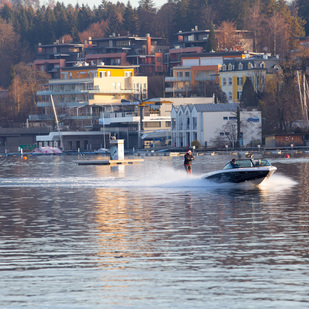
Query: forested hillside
(275, 26)
(24, 24)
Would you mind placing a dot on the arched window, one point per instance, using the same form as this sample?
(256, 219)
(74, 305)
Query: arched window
(230, 97)
(240, 66)
(230, 67)
(224, 67)
(224, 81)
(250, 66)
(230, 81)
(262, 65)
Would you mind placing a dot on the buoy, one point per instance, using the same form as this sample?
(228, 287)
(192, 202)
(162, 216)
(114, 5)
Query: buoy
(25, 158)
(287, 156)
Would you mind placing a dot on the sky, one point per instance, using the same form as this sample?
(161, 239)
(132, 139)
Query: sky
(91, 3)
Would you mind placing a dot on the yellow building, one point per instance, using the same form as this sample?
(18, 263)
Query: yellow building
(195, 72)
(93, 85)
(83, 90)
(234, 72)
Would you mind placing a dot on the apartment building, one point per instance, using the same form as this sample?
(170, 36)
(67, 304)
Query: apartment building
(51, 57)
(83, 91)
(214, 125)
(195, 71)
(234, 72)
(148, 53)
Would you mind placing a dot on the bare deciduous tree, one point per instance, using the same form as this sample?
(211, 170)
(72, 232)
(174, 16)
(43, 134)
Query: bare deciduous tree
(227, 36)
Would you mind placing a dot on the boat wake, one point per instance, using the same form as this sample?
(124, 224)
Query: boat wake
(166, 178)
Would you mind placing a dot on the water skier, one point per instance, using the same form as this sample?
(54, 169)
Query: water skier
(187, 162)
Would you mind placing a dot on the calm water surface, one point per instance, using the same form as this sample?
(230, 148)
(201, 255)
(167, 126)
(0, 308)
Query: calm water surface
(148, 236)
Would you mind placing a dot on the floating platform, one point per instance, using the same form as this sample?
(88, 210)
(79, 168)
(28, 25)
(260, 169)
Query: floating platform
(108, 162)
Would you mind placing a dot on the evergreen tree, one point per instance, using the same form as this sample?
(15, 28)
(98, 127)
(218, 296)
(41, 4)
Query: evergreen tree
(248, 97)
(114, 23)
(130, 19)
(49, 26)
(211, 42)
(303, 11)
(146, 13)
(84, 17)
(7, 13)
(62, 26)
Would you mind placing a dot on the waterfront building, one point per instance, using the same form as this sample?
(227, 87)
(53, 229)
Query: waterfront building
(124, 120)
(83, 91)
(75, 140)
(214, 125)
(234, 72)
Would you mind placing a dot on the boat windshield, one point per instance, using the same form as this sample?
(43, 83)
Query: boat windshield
(247, 163)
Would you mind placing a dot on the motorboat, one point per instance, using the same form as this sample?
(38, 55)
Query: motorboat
(245, 170)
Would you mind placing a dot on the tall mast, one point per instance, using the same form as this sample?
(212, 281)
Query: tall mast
(57, 122)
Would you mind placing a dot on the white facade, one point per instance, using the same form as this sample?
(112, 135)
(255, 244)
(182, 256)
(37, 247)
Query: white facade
(214, 125)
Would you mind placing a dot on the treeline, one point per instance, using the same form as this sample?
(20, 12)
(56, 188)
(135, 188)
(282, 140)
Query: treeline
(45, 24)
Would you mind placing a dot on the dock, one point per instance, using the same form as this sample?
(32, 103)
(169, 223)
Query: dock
(108, 162)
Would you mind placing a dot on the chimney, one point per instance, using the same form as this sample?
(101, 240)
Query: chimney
(148, 44)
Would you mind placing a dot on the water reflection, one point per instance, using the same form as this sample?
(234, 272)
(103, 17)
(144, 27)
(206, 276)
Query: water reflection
(140, 236)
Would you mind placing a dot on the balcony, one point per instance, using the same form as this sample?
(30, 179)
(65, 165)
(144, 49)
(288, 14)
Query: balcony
(177, 79)
(63, 104)
(205, 78)
(177, 90)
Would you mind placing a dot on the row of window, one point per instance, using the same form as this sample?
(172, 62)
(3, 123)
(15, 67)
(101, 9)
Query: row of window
(230, 81)
(240, 66)
(180, 74)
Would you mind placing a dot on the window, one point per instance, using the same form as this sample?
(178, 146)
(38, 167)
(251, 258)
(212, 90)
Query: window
(230, 81)
(232, 118)
(240, 66)
(187, 74)
(154, 124)
(127, 73)
(225, 118)
(103, 74)
(224, 81)
(250, 66)
(239, 93)
(159, 59)
(239, 81)
(262, 65)
(224, 67)
(230, 97)
(230, 67)
(173, 123)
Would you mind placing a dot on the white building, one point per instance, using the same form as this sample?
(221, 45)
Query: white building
(214, 125)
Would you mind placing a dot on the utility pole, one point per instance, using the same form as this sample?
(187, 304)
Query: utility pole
(238, 127)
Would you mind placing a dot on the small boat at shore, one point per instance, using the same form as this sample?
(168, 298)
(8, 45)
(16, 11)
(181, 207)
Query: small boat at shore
(245, 170)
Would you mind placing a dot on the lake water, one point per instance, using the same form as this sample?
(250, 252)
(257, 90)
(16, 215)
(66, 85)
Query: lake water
(149, 236)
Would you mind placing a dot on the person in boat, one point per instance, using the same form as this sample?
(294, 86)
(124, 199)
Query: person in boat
(234, 163)
(187, 162)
